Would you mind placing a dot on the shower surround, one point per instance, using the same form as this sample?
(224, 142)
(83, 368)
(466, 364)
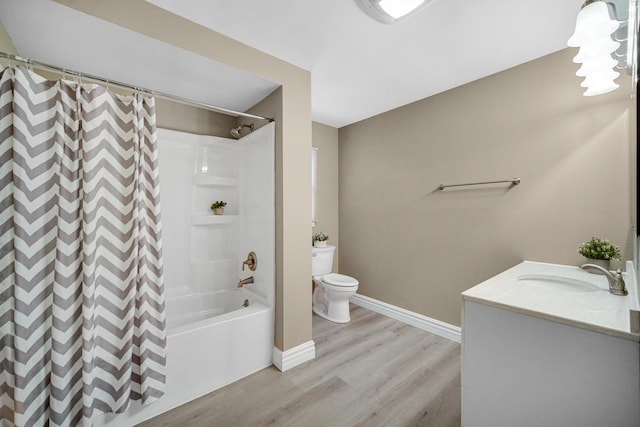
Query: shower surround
(213, 339)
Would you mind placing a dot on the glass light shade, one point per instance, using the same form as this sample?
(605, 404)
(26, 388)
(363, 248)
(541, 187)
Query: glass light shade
(596, 65)
(399, 8)
(600, 88)
(599, 78)
(593, 22)
(595, 50)
(390, 11)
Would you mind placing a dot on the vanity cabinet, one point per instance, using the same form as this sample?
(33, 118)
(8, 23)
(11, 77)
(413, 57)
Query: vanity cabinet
(524, 367)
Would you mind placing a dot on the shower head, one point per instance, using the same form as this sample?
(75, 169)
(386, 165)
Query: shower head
(235, 132)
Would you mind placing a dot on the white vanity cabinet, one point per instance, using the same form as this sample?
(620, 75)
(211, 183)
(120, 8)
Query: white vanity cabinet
(528, 362)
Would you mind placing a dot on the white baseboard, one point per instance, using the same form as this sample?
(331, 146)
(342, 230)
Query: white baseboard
(445, 330)
(295, 356)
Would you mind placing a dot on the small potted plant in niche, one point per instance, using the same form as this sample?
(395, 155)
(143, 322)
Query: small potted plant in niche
(320, 240)
(599, 252)
(218, 207)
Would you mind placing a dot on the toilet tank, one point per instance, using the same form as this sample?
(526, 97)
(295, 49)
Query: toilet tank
(322, 260)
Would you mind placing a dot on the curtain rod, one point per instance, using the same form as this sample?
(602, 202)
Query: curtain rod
(80, 75)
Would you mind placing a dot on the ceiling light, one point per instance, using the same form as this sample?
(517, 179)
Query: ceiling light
(399, 8)
(390, 11)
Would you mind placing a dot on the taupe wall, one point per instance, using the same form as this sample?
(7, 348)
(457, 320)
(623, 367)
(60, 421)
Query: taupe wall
(6, 45)
(184, 118)
(418, 248)
(293, 173)
(325, 139)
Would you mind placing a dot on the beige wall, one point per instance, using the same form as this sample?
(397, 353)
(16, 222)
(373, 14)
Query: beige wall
(418, 248)
(6, 45)
(293, 265)
(185, 118)
(325, 139)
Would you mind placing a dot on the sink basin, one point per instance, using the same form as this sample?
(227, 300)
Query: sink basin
(557, 283)
(563, 294)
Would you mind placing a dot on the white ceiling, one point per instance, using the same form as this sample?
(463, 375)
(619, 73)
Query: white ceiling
(359, 67)
(54, 34)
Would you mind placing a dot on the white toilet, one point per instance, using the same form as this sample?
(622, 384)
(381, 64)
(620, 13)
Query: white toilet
(332, 292)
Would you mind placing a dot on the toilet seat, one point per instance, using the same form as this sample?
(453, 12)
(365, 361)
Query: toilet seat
(339, 280)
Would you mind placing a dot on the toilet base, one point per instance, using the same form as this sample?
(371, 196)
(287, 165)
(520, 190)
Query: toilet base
(321, 311)
(331, 304)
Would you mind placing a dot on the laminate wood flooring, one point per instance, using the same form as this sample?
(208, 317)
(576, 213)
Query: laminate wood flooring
(372, 371)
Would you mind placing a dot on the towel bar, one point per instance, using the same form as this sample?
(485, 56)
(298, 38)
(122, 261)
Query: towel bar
(513, 181)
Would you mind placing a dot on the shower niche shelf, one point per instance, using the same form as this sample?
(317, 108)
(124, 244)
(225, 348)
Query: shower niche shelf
(215, 181)
(213, 219)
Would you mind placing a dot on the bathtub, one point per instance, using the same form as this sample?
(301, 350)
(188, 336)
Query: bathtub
(189, 309)
(212, 339)
(231, 342)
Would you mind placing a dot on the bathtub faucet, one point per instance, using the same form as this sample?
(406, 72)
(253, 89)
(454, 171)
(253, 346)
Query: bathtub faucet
(246, 281)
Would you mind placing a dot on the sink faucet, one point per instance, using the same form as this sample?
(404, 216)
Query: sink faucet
(616, 283)
(246, 281)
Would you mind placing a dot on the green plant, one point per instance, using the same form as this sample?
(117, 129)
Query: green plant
(320, 237)
(219, 204)
(599, 249)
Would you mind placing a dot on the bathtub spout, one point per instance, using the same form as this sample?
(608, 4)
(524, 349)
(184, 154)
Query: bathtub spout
(246, 281)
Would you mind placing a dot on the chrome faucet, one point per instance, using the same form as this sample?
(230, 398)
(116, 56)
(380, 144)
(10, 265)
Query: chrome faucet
(616, 282)
(246, 281)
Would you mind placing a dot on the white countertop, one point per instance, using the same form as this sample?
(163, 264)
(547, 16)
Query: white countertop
(564, 294)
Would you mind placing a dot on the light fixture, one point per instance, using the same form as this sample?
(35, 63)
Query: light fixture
(596, 65)
(391, 11)
(593, 24)
(600, 87)
(595, 50)
(606, 33)
(594, 27)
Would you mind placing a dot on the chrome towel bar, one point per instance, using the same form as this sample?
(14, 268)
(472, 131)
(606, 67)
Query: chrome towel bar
(513, 181)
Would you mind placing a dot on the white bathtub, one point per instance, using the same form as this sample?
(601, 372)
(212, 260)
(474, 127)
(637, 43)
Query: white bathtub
(189, 309)
(212, 341)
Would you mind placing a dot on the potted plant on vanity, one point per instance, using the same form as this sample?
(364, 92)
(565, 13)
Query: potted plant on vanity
(320, 240)
(599, 252)
(218, 207)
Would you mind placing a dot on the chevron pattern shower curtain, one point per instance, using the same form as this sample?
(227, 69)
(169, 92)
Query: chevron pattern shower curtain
(82, 327)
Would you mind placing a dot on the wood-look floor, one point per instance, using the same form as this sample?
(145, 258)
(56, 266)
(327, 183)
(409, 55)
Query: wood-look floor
(373, 371)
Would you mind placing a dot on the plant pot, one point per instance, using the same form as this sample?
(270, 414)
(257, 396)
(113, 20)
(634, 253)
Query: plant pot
(319, 244)
(604, 263)
(218, 211)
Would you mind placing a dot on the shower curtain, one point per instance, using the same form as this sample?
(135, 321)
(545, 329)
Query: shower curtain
(82, 322)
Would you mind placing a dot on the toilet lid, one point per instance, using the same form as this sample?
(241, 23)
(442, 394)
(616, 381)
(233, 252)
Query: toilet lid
(339, 280)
